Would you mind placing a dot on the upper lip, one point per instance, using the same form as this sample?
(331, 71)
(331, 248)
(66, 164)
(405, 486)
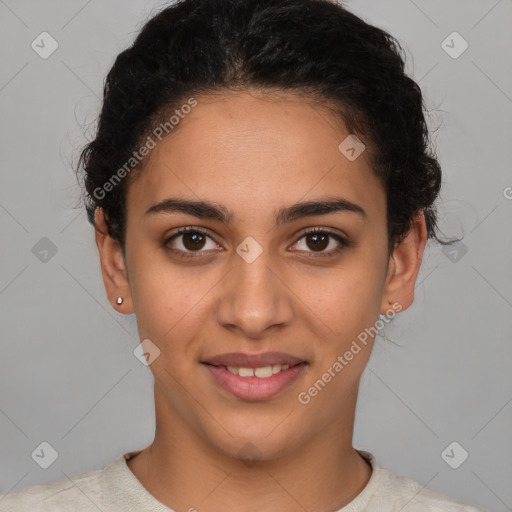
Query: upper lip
(244, 360)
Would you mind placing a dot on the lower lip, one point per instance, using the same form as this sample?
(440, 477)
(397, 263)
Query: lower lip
(255, 388)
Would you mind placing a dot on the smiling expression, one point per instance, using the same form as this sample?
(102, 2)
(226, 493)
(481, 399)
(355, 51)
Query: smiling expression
(286, 250)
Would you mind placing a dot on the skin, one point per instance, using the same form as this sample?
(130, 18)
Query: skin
(255, 153)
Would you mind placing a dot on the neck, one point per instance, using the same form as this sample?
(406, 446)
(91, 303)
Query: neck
(183, 471)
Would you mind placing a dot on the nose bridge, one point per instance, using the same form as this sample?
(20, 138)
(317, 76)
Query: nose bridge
(255, 298)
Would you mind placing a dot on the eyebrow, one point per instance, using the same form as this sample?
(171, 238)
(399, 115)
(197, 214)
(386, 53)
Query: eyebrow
(215, 211)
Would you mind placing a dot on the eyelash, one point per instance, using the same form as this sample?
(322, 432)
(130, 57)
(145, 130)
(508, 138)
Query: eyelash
(344, 243)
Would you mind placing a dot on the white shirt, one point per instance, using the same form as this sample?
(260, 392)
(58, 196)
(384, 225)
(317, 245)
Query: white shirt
(115, 488)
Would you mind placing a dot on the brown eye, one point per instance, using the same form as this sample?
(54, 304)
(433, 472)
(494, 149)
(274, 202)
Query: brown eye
(318, 239)
(193, 241)
(188, 241)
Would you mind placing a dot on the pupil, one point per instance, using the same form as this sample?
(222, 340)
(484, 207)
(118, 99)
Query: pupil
(319, 244)
(196, 243)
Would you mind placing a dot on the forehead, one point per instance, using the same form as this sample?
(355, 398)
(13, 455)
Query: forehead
(252, 150)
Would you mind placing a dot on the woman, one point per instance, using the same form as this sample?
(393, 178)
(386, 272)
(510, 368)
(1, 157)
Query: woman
(262, 192)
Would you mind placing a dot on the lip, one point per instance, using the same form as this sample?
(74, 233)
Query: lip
(245, 360)
(255, 388)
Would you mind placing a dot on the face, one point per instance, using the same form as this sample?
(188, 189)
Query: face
(257, 274)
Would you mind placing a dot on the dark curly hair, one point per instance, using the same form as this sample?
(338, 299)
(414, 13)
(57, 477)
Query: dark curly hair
(312, 47)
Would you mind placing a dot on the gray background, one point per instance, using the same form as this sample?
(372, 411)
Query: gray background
(69, 376)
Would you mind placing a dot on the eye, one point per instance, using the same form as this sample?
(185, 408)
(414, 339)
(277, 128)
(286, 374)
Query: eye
(319, 239)
(193, 240)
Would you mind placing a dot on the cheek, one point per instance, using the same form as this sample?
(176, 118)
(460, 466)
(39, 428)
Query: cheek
(168, 299)
(174, 302)
(349, 299)
(350, 309)
(349, 306)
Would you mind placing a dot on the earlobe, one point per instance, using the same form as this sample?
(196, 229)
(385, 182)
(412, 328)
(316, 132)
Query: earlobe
(113, 267)
(404, 266)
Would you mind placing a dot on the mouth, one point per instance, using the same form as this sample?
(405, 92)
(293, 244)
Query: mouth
(257, 377)
(247, 360)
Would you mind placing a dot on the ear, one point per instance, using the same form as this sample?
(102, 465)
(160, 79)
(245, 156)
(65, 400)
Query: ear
(113, 266)
(404, 265)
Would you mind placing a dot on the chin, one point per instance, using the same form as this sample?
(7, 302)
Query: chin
(253, 448)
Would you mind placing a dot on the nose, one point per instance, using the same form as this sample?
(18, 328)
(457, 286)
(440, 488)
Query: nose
(254, 299)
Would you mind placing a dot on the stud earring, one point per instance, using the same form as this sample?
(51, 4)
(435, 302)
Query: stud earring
(119, 300)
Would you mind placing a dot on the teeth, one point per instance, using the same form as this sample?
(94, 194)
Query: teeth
(246, 372)
(263, 372)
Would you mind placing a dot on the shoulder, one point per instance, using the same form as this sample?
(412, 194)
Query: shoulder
(84, 492)
(409, 495)
(391, 491)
